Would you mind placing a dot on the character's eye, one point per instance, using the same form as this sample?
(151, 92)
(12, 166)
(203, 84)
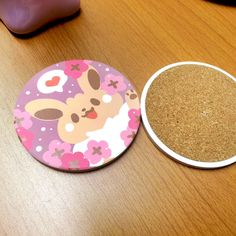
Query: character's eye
(74, 117)
(95, 101)
(83, 109)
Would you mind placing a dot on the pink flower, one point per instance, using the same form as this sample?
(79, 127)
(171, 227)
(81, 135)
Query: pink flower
(75, 68)
(96, 151)
(134, 116)
(22, 119)
(25, 137)
(74, 161)
(128, 136)
(88, 62)
(55, 152)
(113, 84)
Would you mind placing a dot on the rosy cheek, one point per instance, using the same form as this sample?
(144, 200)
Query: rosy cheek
(69, 127)
(106, 98)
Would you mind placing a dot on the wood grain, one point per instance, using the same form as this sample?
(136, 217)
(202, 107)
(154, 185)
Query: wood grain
(144, 192)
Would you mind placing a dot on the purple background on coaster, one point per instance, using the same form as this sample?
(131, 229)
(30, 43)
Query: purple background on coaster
(48, 135)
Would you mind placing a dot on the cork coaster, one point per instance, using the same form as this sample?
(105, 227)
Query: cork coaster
(189, 111)
(77, 115)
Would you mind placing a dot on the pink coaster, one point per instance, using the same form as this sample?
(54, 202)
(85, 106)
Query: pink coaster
(77, 115)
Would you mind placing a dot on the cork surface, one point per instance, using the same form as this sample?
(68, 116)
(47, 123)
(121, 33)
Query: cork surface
(192, 109)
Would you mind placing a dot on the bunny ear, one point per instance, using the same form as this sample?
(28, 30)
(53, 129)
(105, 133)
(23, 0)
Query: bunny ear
(94, 79)
(45, 109)
(90, 81)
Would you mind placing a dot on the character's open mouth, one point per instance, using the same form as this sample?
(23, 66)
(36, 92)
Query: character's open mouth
(91, 114)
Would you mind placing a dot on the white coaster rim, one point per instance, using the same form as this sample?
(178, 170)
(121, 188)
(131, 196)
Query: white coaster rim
(171, 153)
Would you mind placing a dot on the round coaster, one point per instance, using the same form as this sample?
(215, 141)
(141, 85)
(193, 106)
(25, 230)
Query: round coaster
(189, 111)
(77, 115)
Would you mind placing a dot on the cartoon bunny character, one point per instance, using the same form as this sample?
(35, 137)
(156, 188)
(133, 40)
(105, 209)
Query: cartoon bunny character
(92, 114)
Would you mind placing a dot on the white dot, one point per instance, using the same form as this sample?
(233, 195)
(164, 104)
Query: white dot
(40, 139)
(99, 65)
(27, 92)
(39, 149)
(107, 69)
(51, 129)
(57, 65)
(69, 127)
(58, 143)
(69, 91)
(72, 85)
(37, 94)
(18, 105)
(43, 129)
(106, 98)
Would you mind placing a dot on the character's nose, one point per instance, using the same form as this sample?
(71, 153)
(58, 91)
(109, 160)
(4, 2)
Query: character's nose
(74, 117)
(133, 96)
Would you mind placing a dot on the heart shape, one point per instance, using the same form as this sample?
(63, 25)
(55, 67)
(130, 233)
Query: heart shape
(53, 82)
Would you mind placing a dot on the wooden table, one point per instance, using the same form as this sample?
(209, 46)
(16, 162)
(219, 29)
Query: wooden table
(144, 192)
